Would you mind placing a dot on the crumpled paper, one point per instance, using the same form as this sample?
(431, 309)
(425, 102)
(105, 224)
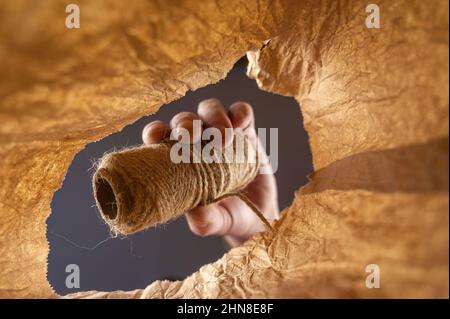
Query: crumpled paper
(374, 101)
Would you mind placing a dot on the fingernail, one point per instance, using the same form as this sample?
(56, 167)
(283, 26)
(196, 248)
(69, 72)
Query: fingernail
(238, 114)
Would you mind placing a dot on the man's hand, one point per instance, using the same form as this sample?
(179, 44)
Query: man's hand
(230, 217)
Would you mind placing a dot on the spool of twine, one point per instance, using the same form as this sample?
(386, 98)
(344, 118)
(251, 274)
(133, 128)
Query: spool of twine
(141, 187)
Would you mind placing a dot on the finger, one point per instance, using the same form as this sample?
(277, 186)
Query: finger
(154, 132)
(244, 221)
(185, 120)
(209, 220)
(241, 115)
(213, 114)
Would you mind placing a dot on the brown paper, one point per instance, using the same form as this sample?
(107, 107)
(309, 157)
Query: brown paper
(375, 104)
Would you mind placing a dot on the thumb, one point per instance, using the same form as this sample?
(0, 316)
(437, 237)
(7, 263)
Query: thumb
(209, 220)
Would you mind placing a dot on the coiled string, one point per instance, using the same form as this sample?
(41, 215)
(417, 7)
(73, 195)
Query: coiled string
(140, 187)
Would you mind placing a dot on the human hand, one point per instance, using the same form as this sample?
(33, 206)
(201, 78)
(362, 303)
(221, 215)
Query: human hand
(230, 217)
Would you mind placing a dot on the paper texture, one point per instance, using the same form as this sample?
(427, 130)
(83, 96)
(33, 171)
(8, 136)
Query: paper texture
(375, 104)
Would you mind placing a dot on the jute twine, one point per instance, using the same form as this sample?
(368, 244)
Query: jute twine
(141, 187)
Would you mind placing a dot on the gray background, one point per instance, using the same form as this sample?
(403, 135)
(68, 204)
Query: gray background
(78, 236)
